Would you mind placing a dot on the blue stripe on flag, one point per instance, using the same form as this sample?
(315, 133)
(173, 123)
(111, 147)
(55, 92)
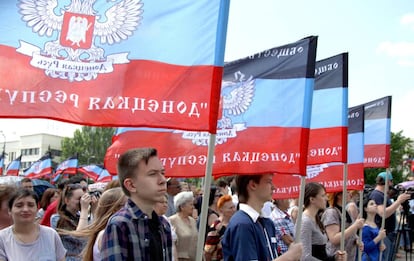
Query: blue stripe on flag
(328, 105)
(267, 108)
(177, 32)
(356, 148)
(375, 131)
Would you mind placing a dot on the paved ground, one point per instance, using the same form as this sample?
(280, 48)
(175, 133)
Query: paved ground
(405, 255)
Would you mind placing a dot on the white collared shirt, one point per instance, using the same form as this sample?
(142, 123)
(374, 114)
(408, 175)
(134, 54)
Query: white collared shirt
(253, 214)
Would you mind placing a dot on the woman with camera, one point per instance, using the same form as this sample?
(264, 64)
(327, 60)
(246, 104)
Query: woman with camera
(110, 202)
(73, 210)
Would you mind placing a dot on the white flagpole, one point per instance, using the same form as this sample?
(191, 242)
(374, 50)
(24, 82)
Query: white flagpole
(298, 224)
(343, 214)
(385, 208)
(206, 196)
(361, 199)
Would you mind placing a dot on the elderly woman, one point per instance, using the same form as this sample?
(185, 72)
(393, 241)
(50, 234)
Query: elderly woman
(26, 239)
(212, 247)
(185, 226)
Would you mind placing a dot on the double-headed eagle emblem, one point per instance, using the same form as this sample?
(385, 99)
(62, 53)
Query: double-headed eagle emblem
(80, 29)
(236, 98)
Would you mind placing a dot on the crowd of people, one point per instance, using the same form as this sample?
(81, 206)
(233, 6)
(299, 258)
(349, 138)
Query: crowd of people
(145, 216)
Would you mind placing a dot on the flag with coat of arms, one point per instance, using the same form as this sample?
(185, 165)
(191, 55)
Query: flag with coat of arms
(114, 63)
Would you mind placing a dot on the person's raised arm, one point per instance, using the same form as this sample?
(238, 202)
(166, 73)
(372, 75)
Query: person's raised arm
(394, 206)
(334, 231)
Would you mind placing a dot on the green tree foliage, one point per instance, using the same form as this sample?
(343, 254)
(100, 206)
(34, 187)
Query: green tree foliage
(90, 143)
(401, 150)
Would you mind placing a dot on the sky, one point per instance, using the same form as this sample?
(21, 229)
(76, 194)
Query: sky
(377, 34)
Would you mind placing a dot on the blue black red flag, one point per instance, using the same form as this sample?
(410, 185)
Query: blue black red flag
(263, 124)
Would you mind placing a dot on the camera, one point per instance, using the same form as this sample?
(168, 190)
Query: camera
(95, 193)
(400, 189)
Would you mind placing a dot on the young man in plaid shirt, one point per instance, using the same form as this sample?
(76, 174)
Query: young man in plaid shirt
(136, 232)
(285, 229)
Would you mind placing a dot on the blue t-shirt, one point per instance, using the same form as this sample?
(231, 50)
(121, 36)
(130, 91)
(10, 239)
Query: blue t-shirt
(245, 239)
(370, 248)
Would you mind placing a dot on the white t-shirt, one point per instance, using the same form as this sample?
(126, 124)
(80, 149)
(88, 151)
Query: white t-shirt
(47, 247)
(267, 209)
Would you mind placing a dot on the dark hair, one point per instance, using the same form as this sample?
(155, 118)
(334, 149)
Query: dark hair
(62, 184)
(47, 195)
(333, 198)
(77, 179)
(233, 186)
(24, 180)
(379, 181)
(129, 161)
(222, 183)
(66, 194)
(170, 180)
(65, 221)
(364, 205)
(241, 182)
(213, 190)
(22, 193)
(312, 189)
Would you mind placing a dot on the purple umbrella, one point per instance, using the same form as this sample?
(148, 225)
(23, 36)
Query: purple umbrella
(407, 184)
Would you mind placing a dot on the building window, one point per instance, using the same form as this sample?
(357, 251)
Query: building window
(12, 156)
(30, 151)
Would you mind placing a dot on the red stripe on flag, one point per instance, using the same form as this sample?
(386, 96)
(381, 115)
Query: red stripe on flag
(377, 156)
(12, 172)
(42, 173)
(190, 100)
(326, 145)
(269, 149)
(331, 178)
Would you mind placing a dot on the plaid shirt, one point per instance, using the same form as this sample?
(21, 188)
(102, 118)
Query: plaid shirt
(127, 235)
(284, 226)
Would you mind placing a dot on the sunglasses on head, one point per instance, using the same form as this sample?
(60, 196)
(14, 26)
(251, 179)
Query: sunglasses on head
(74, 187)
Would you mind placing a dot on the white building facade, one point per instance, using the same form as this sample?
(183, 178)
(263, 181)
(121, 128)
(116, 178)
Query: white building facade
(32, 148)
